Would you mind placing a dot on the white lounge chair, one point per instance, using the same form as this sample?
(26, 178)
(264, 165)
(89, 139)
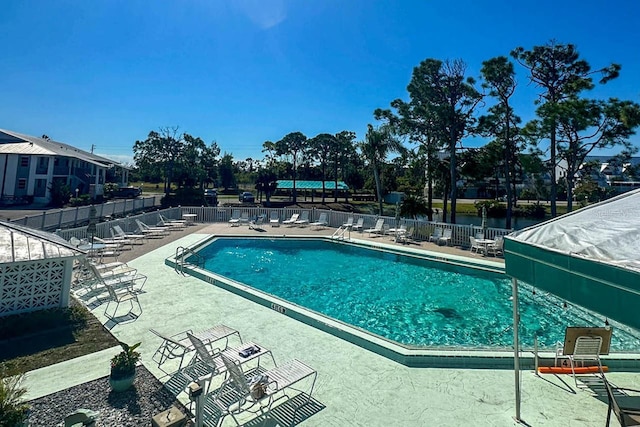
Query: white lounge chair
(274, 219)
(179, 345)
(303, 220)
(377, 229)
(244, 218)
(358, 226)
(235, 218)
(211, 357)
(151, 231)
(234, 395)
(127, 277)
(321, 222)
(177, 224)
(118, 233)
(291, 221)
(257, 223)
(349, 222)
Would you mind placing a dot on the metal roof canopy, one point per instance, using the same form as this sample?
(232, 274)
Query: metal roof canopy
(25, 244)
(287, 184)
(590, 257)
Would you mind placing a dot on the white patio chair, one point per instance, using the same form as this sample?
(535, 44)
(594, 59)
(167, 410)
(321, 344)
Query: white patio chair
(321, 222)
(274, 219)
(436, 235)
(349, 222)
(446, 237)
(119, 296)
(358, 226)
(377, 229)
(496, 248)
(234, 221)
(475, 246)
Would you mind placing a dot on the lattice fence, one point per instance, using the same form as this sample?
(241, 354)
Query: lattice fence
(32, 285)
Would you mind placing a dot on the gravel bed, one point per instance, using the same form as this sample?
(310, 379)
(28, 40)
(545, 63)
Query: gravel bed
(132, 408)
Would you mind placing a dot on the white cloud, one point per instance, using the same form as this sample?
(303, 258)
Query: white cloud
(265, 14)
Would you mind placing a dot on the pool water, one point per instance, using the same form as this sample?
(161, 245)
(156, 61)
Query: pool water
(412, 301)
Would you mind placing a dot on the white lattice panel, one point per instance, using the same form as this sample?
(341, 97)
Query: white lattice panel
(29, 286)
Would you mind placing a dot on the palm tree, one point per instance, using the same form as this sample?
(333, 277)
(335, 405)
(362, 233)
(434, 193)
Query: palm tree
(377, 145)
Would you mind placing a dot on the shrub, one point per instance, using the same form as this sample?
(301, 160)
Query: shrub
(13, 409)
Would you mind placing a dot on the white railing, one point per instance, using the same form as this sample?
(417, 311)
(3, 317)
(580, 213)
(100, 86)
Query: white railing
(72, 217)
(421, 229)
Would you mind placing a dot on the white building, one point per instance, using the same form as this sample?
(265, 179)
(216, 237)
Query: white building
(30, 165)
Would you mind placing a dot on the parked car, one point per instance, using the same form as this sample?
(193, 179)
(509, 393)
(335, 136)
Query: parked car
(246, 197)
(127, 192)
(211, 196)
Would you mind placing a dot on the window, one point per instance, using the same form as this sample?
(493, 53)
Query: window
(24, 161)
(22, 183)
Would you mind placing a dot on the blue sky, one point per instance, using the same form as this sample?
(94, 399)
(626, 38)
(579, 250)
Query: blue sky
(106, 72)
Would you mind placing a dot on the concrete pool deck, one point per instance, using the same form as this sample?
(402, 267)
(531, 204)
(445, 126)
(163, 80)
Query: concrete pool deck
(355, 387)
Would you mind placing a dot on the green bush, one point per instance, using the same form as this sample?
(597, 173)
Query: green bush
(13, 409)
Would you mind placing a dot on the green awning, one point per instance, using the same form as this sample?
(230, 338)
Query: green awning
(590, 257)
(287, 184)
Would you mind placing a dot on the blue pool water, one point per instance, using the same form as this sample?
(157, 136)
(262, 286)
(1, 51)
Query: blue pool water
(409, 300)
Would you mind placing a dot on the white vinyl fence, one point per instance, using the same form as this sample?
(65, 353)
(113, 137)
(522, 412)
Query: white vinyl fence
(73, 217)
(422, 229)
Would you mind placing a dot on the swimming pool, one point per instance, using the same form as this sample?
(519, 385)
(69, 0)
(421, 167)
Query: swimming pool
(409, 300)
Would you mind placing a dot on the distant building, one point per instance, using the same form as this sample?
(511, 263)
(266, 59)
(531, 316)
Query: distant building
(30, 165)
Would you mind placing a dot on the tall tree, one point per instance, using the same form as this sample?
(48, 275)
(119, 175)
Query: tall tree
(440, 112)
(322, 146)
(294, 145)
(558, 70)
(584, 125)
(501, 122)
(226, 170)
(377, 145)
(162, 149)
(344, 148)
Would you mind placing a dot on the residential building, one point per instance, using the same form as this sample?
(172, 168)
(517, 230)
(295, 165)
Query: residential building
(30, 165)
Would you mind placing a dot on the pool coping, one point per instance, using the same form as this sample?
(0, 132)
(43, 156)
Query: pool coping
(435, 357)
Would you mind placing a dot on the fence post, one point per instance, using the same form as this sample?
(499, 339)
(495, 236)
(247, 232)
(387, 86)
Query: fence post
(60, 219)
(75, 221)
(44, 216)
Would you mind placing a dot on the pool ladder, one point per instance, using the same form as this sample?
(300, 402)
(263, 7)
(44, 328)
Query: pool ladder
(181, 254)
(340, 232)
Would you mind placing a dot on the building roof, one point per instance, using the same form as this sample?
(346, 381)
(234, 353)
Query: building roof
(25, 244)
(17, 143)
(310, 185)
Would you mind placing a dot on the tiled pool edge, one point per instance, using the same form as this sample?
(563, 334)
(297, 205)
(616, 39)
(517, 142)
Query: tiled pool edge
(411, 357)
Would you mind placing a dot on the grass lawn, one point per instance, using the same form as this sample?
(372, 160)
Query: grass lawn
(35, 340)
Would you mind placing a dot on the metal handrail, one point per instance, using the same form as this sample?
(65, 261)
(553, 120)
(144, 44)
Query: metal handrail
(181, 251)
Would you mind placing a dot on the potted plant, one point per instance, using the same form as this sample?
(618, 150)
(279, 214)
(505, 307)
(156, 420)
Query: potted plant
(123, 367)
(14, 412)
